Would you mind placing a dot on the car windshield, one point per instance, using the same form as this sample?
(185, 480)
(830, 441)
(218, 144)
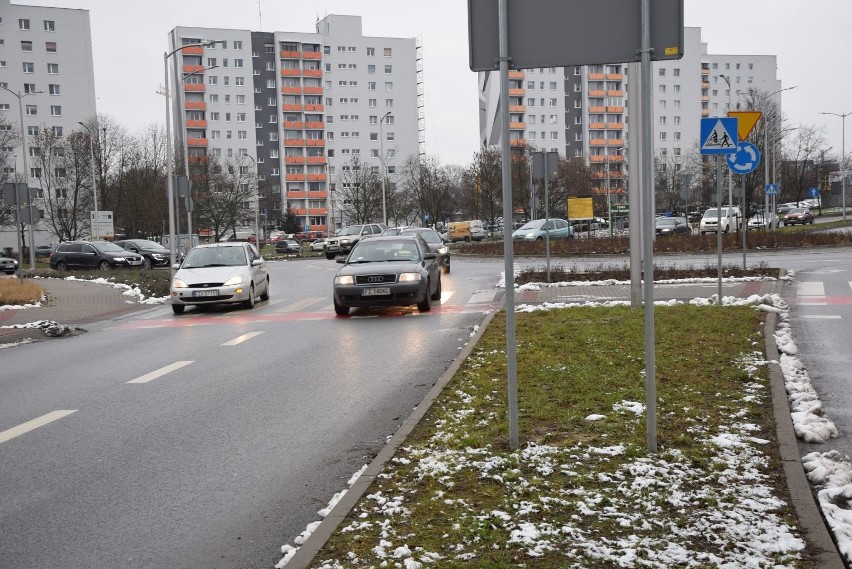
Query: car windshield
(371, 251)
(145, 244)
(534, 224)
(201, 257)
(109, 248)
(711, 213)
(428, 235)
(351, 230)
(666, 221)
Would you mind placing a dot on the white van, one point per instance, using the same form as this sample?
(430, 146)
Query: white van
(710, 220)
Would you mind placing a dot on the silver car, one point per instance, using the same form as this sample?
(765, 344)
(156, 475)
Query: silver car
(219, 273)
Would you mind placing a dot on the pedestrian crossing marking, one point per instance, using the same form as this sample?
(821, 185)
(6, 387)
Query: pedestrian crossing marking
(811, 289)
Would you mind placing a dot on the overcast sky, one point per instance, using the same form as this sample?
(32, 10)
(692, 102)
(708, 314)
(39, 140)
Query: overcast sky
(811, 40)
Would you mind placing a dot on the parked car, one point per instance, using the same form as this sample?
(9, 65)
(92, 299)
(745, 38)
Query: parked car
(762, 221)
(219, 273)
(784, 208)
(535, 230)
(347, 237)
(672, 226)
(43, 250)
(800, 215)
(388, 271)
(153, 254)
(392, 231)
(435, 242)
(317, 244)
(288, 247)
(730, 218)
(8, 265)
(93, 255)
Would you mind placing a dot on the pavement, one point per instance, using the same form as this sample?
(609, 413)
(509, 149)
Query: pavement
(79, 305)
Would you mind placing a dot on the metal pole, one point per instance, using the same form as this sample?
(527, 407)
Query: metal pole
(94, 227)
(169, 186)
(27, 182)
(17, 227)
(508, 264)
(634, 197)
(546, 216)
(767, 216)
(648, 230)
(719, 223)
(382, 161)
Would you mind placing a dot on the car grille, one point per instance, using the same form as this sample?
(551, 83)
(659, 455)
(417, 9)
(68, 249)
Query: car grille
(387, 278)
(204, 285)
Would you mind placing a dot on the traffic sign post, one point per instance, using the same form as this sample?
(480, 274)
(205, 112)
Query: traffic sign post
(746, 158)
(718, 135)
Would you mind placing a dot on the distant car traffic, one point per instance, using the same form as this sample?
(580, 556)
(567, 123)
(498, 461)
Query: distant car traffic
(43, 250)
(800, 215)
(762, 221)
(672, 226)
(288, 247)
(387, 271)
(8, 265)
(153, 254)
(101, 255)
(317, 244)
(536, 230)
(219, 273)
(435, 242)
(348, 236)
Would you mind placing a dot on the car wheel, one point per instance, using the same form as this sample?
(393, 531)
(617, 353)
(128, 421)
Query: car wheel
(249, 302)
(426, 305)
(340, 310)
(265, 296)
(467, 239)
(103, 265)
(61, 266)
(329, 256)
(437, 295)
(146, 263)
(178, 308)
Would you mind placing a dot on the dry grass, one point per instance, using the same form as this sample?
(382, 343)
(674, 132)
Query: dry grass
(12, 291)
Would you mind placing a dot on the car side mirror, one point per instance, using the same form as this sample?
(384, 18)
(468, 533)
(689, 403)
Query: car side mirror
(256, 262)
(341, 260)
(431, 255)
(176, 266)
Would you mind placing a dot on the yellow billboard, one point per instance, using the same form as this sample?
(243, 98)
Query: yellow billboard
(580, 208)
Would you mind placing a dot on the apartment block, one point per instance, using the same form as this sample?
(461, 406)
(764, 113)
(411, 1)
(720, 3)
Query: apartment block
(298, 107)
(591, 101)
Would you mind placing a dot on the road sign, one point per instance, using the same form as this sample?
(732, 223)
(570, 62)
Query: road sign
(745, 160)
(813, 192)
(746, 121)
(104, 226)
(718, 135)
(771, 189)
(555, 33)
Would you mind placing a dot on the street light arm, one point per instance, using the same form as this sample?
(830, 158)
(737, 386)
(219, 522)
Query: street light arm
(196, 44)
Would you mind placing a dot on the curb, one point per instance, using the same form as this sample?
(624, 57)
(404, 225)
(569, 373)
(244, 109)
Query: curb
(304, 556)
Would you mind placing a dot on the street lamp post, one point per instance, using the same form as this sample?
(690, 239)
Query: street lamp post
(730, 173)
(94, 227)
(766, 212)
(257, 202)
(26, 174)
(842, 158)
(382, 161)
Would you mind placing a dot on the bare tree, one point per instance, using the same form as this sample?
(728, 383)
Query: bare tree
(802, 156)
(574, 179)
(137, 193)
(359, 192)
(430, 187)
(224, 197)
(522, 178)
(482, 193)
(9, 139)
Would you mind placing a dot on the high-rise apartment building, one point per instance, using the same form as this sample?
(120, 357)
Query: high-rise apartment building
(584, 107)
(46, 75)
(300, 106)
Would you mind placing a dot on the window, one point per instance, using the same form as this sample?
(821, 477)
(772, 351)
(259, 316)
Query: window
(270, 83)
(326, 49)
(32, 110)
(29, 88)
(390, 136)
(241, 117)
(49, 26)
(388, 103)
(676, 88)
(32, 131)
(53, 89)
(553, 85)
(554, 119)
(663, 119)
(388, 68)
(241, 134)
(239, 81)
(677, 136)
(388, 52)
(662, 137)
(53, 68)
(662, 71)
(238, 44)
(28, 67)
(224, 62)
(215, 134)
(662, 88)
(50, 46)
(371, 51)
(551, 102)
(241, 99)
(23, 24)
(226, 81)
(388, 85)
(26, 46)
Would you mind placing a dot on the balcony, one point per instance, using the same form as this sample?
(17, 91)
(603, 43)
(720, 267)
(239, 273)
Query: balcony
(199, 159)
(705, 71)
(194, 87)
(597, 110)
(518, 141)
(319, 108)
(318, 195)
(291, 72)
(615, 125)
(615, 93)
(285, 54)
(615, 109)
(196, 105)
(294, 142)
(298, 125)
(193, 68)
(195, 142)
(291, 90)
(194, 50)
(597, 142)
(294, 159)
(615, 76)
(596, 76)
(196, 124)
(292, 107)
(315, 125)
(517, 125)
(517, 92)
(296, 195)
(516, 74)
(317, 160)
(316, 177)
(517, 108)
(597, 93)
(705, 98)
(313, 90)
(312, 72)
(312, 211)
(295, 177)
(316, 142)
(311, 55)
(597, 126)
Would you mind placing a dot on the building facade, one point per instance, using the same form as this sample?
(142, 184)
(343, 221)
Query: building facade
(586, 106)
(298, 107)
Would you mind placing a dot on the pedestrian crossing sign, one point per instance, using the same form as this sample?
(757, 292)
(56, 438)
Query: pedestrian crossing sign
(719, 135)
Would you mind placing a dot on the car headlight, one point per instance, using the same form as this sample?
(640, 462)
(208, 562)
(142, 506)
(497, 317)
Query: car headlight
(409, 277)
(177, 283)
(235, 280)
(158, 256)
(443, 250)
(120, 259)
(344, 280)
(344, 241)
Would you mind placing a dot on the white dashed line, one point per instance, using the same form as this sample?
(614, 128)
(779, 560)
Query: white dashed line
(160, 372)
(34, 424)
(241, 339)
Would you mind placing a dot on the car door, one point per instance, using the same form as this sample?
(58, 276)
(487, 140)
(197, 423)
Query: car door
(88, 257)
(258, 272)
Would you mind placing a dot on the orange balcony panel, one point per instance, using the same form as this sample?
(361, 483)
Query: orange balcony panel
(517, 125)
(294, 159)
(615, 93)
(597, 109)
(296, 195)
(291, 90)
(199, 159)
(517, 92)
(196, 124)
(317, 211)
(194, 87)
(596, 76)
(615, 125)
(614, 158)
(290, 107)
(316, 177)
(597, 158)
(291, 72)
(297, 210)
(616, 142)
(290, 54)
(517, 108)
(295, 177)
(311, 55)
(312, 72)
(192, 68)
(316, 142)
(705, 98)
(597, 142)
(196, 105)
(705, 71)
(516, 74)
(317, 160)
(596, 126)
(196, 142)
(705, 112)
(615, 109)
(518, 142)
(294, 142)
(318, 195)
(294, 124)
(194, 50)
(313, 90)
(315, 108)
(705, 84)
(315, 124)
(597, 93)
(615, 76)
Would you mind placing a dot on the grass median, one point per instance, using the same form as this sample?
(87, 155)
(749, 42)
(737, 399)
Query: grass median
(582, 490)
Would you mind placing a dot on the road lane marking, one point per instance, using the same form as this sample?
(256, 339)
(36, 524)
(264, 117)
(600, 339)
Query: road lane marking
(820, 316)
(34, 424)
(241, 339)
(296, 306)
(446, 295)
(160, 372)
(811, 288)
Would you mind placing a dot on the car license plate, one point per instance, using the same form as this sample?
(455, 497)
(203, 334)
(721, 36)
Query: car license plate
(210, 292)
(376, 291)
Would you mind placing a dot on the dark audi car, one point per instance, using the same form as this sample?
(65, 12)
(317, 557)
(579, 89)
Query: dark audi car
(388, 271)
(93, 255)
(153, 254)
